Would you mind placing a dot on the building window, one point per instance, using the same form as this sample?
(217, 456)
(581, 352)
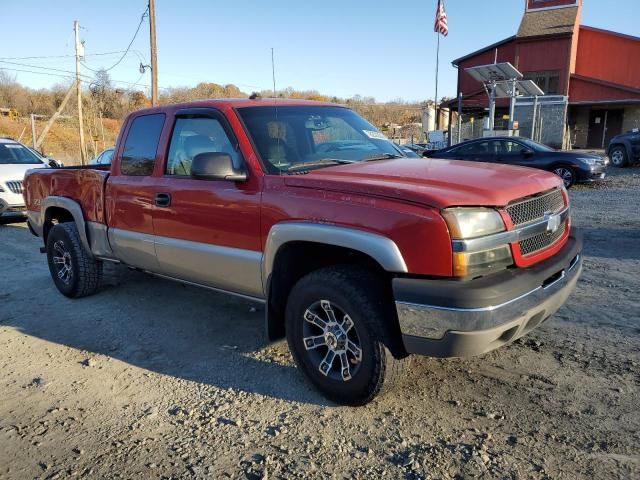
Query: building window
(548, 81)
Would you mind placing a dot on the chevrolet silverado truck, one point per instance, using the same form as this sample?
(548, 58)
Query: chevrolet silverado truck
(360, 254)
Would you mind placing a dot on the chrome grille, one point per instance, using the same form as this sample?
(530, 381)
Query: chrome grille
(542, 240)
(15, 186)
(534, 208)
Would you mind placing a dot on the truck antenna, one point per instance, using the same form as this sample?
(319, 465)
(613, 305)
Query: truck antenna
(273, 73)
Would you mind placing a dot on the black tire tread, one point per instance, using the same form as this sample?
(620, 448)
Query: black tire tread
(89, 270)
(625, 163)
(366, 288)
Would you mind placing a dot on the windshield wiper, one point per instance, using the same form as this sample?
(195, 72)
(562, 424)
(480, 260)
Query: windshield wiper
(384, 156)
(319, 163)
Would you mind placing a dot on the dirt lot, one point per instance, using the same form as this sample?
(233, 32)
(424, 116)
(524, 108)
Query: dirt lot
(153, 379)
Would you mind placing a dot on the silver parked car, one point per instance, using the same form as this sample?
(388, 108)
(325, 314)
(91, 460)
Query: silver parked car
(104, 158)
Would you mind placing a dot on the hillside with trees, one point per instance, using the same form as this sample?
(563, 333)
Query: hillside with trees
(105, 106)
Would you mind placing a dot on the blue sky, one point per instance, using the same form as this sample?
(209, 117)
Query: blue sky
(385, 50)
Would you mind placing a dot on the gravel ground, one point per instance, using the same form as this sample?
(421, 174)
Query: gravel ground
(152, 379)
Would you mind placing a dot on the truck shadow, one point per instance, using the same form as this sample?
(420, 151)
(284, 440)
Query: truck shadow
(167, 328)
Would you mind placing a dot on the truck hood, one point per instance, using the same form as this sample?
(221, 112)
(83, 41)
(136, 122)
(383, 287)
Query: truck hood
(16, 171)
(432, 182)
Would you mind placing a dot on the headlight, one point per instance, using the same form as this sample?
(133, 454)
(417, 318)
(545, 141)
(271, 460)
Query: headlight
(592, 162)
(466, 223)
(480, 263)
(469, 223)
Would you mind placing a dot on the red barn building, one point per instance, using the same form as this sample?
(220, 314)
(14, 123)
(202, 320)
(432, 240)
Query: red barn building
(598, 70)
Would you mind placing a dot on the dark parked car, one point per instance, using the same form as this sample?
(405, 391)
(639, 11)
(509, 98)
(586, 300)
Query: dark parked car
(417, 148)
(572, 167)
(624, 149)
(407, 151)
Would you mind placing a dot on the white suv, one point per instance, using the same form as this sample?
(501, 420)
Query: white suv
(15, 160)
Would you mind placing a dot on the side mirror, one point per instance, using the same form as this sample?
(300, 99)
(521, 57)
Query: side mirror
(216, 166)
(527, 152)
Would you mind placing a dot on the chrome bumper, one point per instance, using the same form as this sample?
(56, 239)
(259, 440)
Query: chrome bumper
(443, 331)
(17, 210)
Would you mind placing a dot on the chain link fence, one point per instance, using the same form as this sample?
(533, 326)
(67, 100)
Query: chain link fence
(542, 119)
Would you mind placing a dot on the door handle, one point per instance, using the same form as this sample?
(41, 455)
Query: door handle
(163, 199)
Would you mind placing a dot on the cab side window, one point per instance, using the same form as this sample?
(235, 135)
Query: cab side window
(139, 155)
(193, 136)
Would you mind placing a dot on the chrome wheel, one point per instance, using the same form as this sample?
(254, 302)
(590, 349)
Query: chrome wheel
(62, 262)
(331, 340)
(566, 175)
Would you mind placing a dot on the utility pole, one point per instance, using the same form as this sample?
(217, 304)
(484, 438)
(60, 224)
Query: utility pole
(154, 53)
(79, 53)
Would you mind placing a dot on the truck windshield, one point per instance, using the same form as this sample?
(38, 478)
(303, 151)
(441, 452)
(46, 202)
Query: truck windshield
(293, 138)
(14, 153)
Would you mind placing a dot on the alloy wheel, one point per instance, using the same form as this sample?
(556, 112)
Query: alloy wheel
(62, 262)
(566, 175)
(331, 340)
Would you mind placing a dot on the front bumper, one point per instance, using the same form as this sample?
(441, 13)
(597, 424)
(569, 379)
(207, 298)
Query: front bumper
(594, 174)
(453, 318)
(7, 209)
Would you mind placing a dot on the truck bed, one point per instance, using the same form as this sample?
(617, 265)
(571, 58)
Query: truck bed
(85, 185)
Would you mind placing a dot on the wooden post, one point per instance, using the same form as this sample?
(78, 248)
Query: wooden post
(33, 130)
(101, 129)
(154, 53)
(53, 118)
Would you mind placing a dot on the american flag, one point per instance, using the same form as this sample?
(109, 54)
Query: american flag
(441, 20)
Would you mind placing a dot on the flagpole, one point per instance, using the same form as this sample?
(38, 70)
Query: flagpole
(435, 105)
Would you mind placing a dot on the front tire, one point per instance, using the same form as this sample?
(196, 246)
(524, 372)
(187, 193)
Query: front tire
(337, 324)
(75, 273)
(618, 157)
(567, 174)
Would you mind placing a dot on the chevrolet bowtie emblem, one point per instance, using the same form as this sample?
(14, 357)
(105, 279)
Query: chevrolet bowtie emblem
(553, 222)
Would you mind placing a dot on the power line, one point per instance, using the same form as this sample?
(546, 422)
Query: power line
(87, 82)
(61, 56)
(38, 73)
(41, 68)
(142, 17)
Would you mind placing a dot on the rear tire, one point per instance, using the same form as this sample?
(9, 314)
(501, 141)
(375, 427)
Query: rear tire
(618, 157)
(337, 325)
(73, 270)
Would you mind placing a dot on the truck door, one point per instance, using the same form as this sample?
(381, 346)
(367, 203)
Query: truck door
(131, 192)
(207, 231)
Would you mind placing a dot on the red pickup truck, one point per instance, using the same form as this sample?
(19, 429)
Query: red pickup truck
(360, 254)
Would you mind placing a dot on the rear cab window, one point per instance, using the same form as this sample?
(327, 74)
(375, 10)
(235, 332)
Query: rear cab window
(141, 145)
